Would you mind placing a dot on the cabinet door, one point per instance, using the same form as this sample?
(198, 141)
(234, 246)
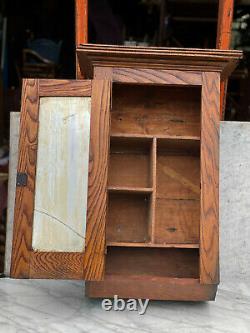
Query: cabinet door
(61, 192)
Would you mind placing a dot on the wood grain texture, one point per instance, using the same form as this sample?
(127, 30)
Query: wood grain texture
(152, 262)
(24, 204)
(91, 56)
(94, 258)
(27, 263)
(56, 265)
(81, 21)
(154, 288)
(209, 222)
(155, 110)
(66, 88)
(151, 76)
(224, 31)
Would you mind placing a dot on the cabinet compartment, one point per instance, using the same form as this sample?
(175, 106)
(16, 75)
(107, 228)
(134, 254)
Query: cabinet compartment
(129, 163)
(139, 262)
(177, 192)
(156, 110)
(128, 217)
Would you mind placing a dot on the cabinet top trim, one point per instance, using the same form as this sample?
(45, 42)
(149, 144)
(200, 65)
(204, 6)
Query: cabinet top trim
(94, 55)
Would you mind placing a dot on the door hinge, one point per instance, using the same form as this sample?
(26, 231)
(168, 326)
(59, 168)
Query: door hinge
(21, 179)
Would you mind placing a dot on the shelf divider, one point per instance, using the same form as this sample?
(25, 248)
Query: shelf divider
(153, 245)
(124, 189)
(153, 195)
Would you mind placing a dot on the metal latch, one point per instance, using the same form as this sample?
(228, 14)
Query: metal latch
(21, 179)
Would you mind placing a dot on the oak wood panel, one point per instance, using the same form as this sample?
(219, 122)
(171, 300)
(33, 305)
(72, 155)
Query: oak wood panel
(56, 265)
(155, 110)
(128, 217)
(178, 177)
(154, 245)
(177, 221)
(94, 258)
(147, 262)
(154, 288)
(67, 88)
(24, 204)
(153, 174)
(209, 222)
(91, 56)
(151, 76)
(129, 163)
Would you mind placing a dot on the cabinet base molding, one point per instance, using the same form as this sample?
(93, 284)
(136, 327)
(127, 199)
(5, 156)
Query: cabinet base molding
(154, 288)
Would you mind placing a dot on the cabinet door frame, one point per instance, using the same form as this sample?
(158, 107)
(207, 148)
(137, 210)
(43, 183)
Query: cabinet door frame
(88, 265)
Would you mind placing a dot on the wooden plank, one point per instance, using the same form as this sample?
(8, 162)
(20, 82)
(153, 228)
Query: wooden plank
(209, 222)
(154, 245)
(177, 221)
(56, 265)
(13, 161)
(24, 205)
(98, 177)
(151, 76)
(155, 288)
(67, 88)
(153, 173)
(81, 29)
(59, 222)
(224, 31)
(81, 22)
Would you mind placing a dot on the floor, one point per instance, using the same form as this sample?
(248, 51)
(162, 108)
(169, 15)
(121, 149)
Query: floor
(59, 306)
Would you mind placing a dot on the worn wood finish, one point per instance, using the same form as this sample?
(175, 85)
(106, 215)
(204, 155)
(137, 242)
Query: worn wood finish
(154, 288)
(92, 56)
(143, 262)
(27, 263)
(24, 204)
(177, 221)
(129, 163)
(224, 31)
(81, 21)
(66, 88)
(155, 110)
(151, 76)
(157, 96)
(98, 180)
(81, 28)
(128, 217)
(56, 265)
(209, 221)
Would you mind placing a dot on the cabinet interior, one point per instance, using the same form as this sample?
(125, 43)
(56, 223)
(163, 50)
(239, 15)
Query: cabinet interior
(154, 181)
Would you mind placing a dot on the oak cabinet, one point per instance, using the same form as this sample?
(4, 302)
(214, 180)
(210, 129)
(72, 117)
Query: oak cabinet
(146, 219)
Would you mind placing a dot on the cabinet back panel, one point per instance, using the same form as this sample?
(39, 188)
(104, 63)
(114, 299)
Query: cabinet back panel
(179, 263)
(156, 110)
(177, 221)
(128, 216)
(129, 163)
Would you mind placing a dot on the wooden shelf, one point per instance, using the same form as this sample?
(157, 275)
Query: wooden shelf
(122, 189)
(147, 136)
(153, 245)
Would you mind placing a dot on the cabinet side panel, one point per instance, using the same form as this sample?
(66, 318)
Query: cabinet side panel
(98, 175)
(209, 222)
(24, 204)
